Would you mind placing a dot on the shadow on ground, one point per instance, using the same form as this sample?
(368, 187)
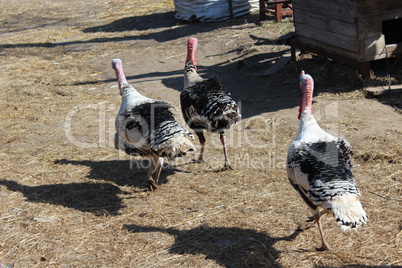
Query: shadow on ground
(139, 23)
(97, 198)
(388, 72)
(122, 172)
(229, 247)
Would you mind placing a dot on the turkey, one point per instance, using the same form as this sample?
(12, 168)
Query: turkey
(146, 127)
(205, 104)
(319, 168)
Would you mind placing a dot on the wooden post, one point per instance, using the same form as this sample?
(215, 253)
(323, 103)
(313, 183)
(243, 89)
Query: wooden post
(278, 12)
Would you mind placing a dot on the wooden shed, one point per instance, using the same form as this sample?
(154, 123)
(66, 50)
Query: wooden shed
(353, 32)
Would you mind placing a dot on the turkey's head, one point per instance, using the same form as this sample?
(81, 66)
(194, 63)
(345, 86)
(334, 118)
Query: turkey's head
(117, 65)
(306, 83)
(191, 49)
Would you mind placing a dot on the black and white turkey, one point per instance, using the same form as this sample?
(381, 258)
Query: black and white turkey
(205, 104)
(319, 168)
(147, 127)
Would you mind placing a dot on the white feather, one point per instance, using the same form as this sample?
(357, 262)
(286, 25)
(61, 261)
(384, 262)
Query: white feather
(347, 208)
(310, 131)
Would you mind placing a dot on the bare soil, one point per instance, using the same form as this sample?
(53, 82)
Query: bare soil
(69, 199)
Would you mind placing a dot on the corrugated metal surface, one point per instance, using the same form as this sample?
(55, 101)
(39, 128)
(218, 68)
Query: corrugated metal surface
(212, 10)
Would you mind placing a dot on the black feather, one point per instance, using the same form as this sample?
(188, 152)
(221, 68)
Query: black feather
(206, 105)
(156, 123)
(328, 167)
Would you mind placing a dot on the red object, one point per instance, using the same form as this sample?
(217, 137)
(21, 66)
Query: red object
(276, 8)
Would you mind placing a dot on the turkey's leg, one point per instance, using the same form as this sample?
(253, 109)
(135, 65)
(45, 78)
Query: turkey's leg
(223, 141)
(323, 212)
(324, 245)
(151, 183)
(202, 139)
(158, 169)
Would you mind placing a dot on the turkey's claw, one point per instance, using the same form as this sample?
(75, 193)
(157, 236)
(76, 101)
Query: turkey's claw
(152, 185)
(226, 167)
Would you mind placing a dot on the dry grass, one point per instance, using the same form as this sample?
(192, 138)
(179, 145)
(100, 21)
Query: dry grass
(69, 206)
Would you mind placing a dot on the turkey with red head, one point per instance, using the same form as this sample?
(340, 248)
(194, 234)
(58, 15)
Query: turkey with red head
(319, 168)
(205, 104)
(146, 127)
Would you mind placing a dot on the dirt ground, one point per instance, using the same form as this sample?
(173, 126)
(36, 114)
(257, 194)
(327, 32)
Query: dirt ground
(69, 199)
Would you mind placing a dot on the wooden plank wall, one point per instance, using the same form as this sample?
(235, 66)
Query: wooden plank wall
(371, 7)
(372, 24)
(350, 28)
(342, 10)
(328, 25)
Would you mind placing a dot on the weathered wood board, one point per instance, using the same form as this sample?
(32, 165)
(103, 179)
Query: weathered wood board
(329, 48)
(342, 10)
(326, 24)
(339, 40)
(350, 28)
(370, 24)
(280, 63)
(384, 90)
(370, 7)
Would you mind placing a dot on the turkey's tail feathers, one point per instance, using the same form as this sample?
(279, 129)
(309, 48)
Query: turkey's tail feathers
(176, 147)
(231, 112)
(175, 142)
(228, 116)
(348, 211)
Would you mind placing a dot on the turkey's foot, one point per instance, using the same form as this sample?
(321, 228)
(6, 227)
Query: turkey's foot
(323, 247)
(226, 167)
(152, 185)
(198, 161)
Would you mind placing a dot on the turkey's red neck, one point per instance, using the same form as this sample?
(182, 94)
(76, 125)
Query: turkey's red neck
(307, 86)
(191, 48)
(118, 68)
